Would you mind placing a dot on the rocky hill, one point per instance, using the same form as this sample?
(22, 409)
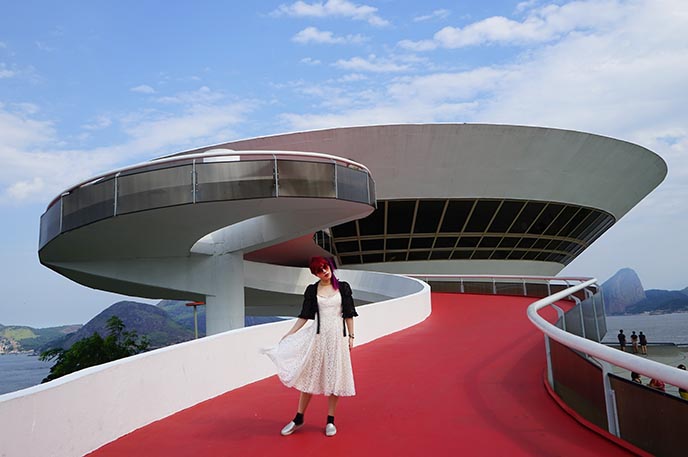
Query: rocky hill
(622, 290)
(179, 312)
(145, 319)
(660, 301)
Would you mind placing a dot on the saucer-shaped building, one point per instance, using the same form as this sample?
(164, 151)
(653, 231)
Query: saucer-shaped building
(421, 199)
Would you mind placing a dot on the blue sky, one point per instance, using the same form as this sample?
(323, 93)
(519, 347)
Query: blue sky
(88, 86)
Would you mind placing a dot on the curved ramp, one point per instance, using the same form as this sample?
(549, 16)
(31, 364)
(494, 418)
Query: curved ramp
(466, 381)
(179, 227)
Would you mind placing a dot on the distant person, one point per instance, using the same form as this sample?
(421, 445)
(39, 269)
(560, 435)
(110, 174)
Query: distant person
(635, 377)
(643, 343)
(634, 342)
(656, 384)
(622, 340)
(682, 392)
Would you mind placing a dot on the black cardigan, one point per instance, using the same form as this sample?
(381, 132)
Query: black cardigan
(309, 310)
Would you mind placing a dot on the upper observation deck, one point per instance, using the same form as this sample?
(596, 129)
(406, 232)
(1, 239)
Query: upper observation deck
(216, 202)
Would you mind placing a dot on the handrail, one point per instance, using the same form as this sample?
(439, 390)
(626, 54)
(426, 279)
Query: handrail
(543, 278)
(211, 153)
(647, 367)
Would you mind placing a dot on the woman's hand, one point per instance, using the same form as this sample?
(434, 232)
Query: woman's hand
(351, 343)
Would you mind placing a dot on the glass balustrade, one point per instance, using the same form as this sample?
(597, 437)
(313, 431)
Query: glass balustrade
(193, 181)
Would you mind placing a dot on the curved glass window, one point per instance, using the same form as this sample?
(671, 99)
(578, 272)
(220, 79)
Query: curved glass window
(471, 229)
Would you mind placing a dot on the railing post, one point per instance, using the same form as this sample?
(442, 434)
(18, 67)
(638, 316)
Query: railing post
(610, 400)
(275, 172)
(561, 316)
(548, 353)
(594, 313)
(194, 184)
(116, 194)
(494, 286)
(525, 289)
(462, 289)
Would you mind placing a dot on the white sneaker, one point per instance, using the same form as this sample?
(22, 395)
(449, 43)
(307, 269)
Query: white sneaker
(330, 430)
(290, 428)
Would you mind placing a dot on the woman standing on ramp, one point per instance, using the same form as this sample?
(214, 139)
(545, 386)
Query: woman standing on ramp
(316, 360)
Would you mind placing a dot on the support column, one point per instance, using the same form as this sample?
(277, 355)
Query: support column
(225, 309)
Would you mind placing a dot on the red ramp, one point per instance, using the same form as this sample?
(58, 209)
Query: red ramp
(467, 381)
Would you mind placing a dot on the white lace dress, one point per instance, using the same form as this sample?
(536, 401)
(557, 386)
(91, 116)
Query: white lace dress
(317, 363)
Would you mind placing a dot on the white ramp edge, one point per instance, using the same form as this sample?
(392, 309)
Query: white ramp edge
(83, 411)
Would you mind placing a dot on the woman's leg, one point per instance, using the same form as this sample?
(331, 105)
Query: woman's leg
(304, 399)
(297, 423)
(330, 429)
(332, 405)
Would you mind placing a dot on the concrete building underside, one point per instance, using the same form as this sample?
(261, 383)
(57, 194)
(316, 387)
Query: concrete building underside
(447, 198)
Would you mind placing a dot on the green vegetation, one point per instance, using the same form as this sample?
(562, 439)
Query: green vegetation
(95, 350)
(32, 339)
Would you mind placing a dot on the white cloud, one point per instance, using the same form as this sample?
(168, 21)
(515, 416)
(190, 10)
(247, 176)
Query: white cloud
(198, 124)
(523, 6)
(352, 77)
(99, 123)
(333, 8)
(544, 24)
(437, 14)
(143, 89)
(371, 64)
(313, 35)
(202, 96)
(310, 61)
(21, 190)
(418, 46)
(6, 72)
(44, 46)
(36, 168)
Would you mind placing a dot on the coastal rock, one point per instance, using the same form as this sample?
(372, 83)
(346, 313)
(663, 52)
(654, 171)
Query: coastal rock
(622, 290)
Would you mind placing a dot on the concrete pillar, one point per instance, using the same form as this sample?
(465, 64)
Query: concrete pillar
(225, 309)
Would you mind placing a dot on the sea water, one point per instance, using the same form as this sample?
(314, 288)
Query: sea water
(19, 371)
(659, 328)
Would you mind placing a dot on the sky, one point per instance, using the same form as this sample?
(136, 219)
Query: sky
(87, 87)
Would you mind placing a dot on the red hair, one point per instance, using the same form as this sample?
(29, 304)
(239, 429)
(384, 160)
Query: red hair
(317, 263)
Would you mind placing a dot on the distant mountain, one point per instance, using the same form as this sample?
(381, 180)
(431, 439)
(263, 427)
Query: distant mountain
(621, 291)
(182, 314)
(145, 319)
(661, 301)
(19, 338)
(178, 311)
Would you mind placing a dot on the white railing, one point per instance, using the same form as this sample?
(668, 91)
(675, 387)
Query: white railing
(626, 360)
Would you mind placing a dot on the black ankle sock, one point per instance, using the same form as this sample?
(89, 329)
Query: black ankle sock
(330, 419)
(298, 420)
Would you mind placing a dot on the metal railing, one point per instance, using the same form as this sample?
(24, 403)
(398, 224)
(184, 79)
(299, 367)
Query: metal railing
(214, 175)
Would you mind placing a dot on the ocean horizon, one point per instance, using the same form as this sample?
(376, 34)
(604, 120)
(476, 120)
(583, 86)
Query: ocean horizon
(659, 328)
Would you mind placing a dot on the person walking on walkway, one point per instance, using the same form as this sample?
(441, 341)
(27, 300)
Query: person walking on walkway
(622, 340)
(316, 359)
(634, 342)
(643, 343)
(683, 393)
